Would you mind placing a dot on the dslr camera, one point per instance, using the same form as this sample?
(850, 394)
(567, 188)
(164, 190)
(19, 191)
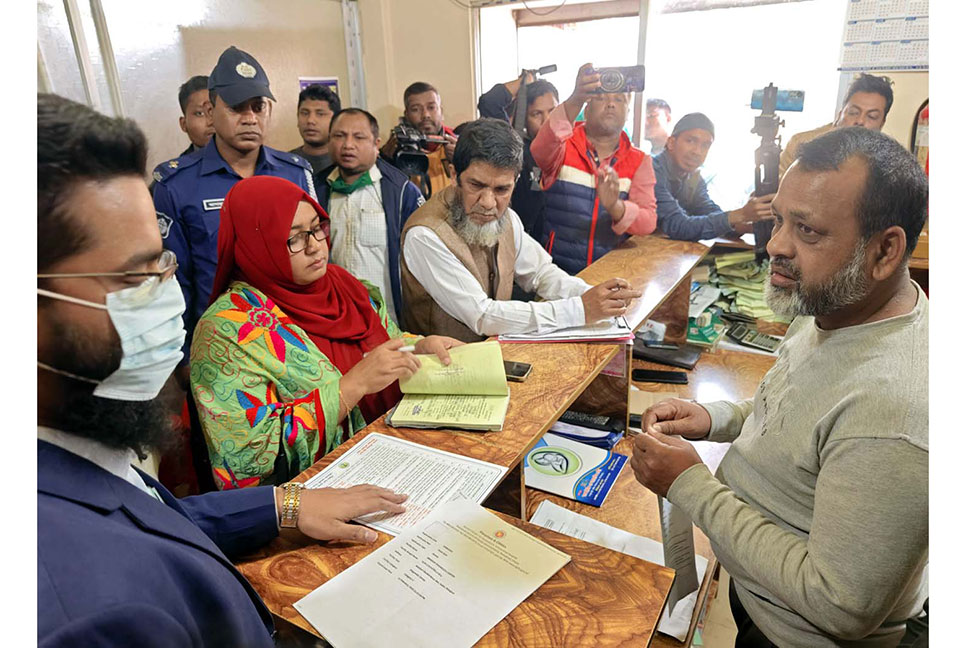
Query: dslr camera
(621, 79)
(410, 156)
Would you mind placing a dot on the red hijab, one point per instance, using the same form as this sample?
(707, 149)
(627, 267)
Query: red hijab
(334, 310)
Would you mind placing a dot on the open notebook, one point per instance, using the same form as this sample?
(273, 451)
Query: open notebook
(470, 394)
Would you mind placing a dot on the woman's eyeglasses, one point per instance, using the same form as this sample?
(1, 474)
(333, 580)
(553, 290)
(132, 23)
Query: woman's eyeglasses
(300, 240)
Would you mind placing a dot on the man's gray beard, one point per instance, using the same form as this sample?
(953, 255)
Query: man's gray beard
(846, 287)
(485, 235)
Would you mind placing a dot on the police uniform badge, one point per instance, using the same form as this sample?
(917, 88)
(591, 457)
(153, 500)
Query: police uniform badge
(246, 70)
(156, 175)
(173, 164)
(164, 224)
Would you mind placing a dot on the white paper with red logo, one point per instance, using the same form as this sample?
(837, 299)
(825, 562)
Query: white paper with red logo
(443, 584)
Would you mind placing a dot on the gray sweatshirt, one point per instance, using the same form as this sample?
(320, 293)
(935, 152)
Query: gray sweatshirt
(819, 510)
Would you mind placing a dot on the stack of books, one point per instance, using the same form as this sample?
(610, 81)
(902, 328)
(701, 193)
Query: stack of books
(598, 431)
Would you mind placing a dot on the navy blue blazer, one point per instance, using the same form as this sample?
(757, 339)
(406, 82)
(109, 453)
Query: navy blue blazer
(118, 568)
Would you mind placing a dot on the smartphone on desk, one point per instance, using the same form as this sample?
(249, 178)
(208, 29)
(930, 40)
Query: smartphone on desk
(516, 371)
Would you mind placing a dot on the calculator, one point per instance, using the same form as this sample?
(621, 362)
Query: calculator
(744, 334)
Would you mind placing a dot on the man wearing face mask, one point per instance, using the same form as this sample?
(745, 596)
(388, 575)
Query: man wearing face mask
(463, 251)
(120, 560)
(188, 198)
(599, 187)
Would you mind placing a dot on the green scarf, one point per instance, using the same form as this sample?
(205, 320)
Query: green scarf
(340, 185)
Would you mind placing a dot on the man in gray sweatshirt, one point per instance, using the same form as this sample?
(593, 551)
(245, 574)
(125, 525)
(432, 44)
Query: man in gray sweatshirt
(819, 510)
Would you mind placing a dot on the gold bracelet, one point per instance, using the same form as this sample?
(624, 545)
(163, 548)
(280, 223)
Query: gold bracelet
(348, 410)
(291, 504)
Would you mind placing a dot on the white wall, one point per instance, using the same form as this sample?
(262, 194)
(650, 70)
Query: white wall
(158, 46)
(417, 40)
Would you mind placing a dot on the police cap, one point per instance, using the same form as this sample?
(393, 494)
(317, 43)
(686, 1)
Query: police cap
(238, 77)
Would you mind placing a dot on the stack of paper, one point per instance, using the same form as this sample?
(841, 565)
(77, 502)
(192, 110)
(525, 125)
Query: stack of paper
(611, 330)
(742, 284)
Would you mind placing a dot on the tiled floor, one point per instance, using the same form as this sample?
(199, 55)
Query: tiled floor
(719, 627)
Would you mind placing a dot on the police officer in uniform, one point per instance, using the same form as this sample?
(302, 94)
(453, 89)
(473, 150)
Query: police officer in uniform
(190, 189)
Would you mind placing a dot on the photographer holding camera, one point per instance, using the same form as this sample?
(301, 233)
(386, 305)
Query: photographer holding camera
(424, 112)
(599, 187)
(528, 200)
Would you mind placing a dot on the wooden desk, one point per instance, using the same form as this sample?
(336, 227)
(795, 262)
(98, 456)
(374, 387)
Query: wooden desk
(722, 375)
(284, 571)
(600, 598)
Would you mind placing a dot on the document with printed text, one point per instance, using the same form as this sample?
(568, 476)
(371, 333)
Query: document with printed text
(443, 584)
(557, 518)
(470, 393)
(429, 476)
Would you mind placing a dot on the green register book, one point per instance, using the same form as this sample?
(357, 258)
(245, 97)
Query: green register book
(470, 394)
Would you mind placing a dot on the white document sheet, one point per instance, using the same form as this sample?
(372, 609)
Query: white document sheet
(444, 583)
(557, 518)
(678, 532)
(429, 476)
(613, 329)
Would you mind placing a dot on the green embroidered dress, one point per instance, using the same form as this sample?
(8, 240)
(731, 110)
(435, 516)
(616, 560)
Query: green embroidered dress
(262, 387)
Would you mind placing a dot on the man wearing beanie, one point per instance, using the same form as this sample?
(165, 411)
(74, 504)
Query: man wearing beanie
(685, 211)
(188, 197)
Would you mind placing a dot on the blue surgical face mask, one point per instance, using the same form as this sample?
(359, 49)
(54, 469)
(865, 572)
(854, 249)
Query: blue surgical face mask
(151, 332)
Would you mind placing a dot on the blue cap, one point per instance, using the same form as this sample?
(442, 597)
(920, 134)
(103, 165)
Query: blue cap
(238, 77)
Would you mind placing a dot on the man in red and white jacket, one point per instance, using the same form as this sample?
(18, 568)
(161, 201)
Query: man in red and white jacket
(600, 188)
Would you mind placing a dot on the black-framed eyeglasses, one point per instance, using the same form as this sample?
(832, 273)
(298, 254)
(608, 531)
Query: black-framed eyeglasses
(146, 290)
(300, 240)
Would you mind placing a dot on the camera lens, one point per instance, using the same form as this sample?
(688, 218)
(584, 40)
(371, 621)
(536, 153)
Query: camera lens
(611, 81)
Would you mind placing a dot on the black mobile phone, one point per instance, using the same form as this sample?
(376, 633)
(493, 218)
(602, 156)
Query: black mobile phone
(650, 375)
(516, 371)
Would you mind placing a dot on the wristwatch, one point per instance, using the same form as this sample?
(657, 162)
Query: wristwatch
(291, 502)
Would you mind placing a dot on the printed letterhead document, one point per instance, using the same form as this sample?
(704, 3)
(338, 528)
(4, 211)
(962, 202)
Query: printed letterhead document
(557, 518)
(443, 584)
(429, 476)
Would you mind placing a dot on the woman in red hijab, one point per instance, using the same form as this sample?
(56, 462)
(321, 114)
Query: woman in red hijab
(294, 355)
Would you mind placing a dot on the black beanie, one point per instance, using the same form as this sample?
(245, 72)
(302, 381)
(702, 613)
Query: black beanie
(692, 121)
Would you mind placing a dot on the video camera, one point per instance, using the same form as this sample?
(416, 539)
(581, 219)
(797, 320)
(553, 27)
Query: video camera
(767, 155)
(410, 155)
